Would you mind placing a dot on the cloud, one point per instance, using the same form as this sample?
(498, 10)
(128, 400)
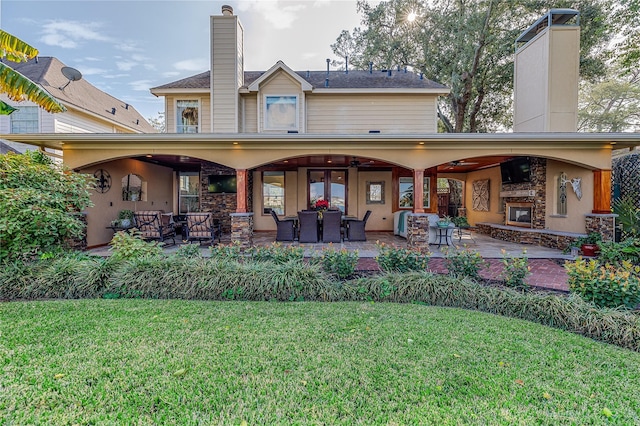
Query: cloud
(126, 65)
(70, 34)
(92, 71)
(128, 47)
(170, 74)
(192, 65)
(277, 13)
(140, 85)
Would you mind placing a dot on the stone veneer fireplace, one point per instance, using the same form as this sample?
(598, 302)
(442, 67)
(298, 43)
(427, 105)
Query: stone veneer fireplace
(519, 214)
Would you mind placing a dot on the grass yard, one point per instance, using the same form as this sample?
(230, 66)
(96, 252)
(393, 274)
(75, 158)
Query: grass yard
(181, 362)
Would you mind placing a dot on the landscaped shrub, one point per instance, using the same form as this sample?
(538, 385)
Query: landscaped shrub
(38, 199)
(277, 253)
(464, 263)
(341, 262)
(515, 270)
(612, 252)
(605, 285)
(222, 279)
(232, 251)
(188, 251)
(130, 245)
(391, 258)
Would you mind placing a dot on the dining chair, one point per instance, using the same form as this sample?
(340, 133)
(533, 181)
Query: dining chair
(331, 222)
(285, 228)
(355, 228)
(308, 223)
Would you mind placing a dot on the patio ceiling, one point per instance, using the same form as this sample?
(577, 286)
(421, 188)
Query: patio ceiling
(464, 165)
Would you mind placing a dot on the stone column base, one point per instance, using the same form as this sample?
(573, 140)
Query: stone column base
(242, 229)
(418, 231)
(603, 224)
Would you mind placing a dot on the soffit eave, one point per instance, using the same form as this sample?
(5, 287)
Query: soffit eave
(285, 141)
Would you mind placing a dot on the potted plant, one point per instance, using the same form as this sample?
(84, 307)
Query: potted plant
(461, 222)
(125, 218)
(589, 244)
(444, 222)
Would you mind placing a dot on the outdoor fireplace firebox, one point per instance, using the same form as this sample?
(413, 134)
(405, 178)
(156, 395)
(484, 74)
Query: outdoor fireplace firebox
(519, 214)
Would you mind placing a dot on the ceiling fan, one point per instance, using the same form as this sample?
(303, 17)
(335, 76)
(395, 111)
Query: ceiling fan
(453, 164)
(356, 163)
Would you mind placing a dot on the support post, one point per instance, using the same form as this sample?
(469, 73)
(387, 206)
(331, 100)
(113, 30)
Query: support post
(418, 191)
(241, 195)
(601, 192)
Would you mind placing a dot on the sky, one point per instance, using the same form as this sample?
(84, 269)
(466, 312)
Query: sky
(127, 47)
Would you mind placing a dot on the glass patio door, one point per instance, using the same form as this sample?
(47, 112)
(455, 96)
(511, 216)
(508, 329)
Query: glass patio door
(329, 185)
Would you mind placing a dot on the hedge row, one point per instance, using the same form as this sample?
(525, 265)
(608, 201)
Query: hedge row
(223, 279)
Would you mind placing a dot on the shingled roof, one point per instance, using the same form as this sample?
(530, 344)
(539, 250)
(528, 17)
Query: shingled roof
(337, 80)
(81, 95)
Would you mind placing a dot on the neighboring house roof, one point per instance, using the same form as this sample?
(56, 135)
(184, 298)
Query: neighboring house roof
(81, 95)
(354, 79)
(5, 148)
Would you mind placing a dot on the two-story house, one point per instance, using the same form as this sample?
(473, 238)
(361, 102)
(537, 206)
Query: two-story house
(89, 109)
(242, 143)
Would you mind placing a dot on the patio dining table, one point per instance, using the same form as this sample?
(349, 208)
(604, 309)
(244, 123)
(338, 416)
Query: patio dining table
(345, 220)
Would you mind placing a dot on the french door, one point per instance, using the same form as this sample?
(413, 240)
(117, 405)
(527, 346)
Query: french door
(329, 185)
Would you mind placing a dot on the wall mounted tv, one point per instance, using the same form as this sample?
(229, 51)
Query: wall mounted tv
(223, 184)
(516, 170)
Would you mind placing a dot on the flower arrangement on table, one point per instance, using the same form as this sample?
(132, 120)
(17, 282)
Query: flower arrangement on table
(321, 205)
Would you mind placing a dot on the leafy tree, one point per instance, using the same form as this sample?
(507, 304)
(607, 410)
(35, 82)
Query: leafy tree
(467, 45)
(611, 105)
(17, 86)
(38, 199)
(158, 122)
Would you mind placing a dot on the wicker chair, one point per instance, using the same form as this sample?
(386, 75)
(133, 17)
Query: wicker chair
(331, 222)
(308, 227)
(286, 229)
(154, 225)
(355, 228)
(202, 227)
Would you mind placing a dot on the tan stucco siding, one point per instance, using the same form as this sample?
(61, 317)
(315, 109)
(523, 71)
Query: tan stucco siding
(224, 74)
(280, 84)
(546, 82)
(574, 220)
(381, 218)
(355, 113)
(159, 196)
(495, 213)
(564, 63)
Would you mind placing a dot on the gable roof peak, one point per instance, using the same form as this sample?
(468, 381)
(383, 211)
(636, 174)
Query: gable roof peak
(279, 66)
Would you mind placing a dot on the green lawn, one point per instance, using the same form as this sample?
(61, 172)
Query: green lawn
(180, 362)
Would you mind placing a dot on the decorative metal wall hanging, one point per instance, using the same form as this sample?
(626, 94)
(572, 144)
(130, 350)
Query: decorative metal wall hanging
(480, 195)
(103, 180)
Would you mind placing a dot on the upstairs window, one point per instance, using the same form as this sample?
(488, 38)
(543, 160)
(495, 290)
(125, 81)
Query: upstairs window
(187, 116)
(24, 120)
(281, 113)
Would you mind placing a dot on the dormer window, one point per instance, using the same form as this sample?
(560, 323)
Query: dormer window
(281, 113)
(187, 116)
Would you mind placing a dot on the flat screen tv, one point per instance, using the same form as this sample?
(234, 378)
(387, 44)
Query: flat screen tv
(223, 184)
(517, 170)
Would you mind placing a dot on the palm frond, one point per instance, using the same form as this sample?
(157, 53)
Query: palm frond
(6, 109)
(18, 88)
(15, 49)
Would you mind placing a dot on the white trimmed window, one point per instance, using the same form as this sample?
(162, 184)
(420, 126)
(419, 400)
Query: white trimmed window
(24, 120)
(187, 116)
(280, 113)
